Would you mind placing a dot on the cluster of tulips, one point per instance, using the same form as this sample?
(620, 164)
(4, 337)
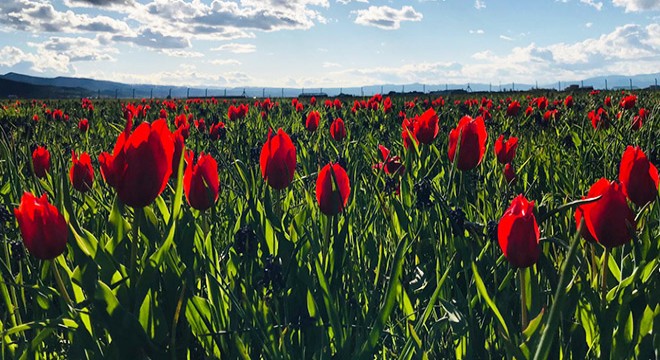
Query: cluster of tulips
(140, 166)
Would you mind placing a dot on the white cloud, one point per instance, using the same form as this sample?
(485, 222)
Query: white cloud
(478, 32)
(236, 48)
(40, 62)
(479, 4)
(589, 24)
(76, 49)
(223, 62)
(344, 2)
(182, 53)
(328, 65)
(507, 38)
(637, 5)
(595, 4)
(183, 76)
(40, 16)
(385, 17)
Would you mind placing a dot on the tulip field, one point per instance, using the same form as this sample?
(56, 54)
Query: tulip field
(415, 226)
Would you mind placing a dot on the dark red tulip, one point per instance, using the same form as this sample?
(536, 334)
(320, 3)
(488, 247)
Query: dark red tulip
(473, 136)
(628, 102)
(83, 125)
(81, 173)
(140, 164)
(218, 131)
(638, 176)
(201, 183)
(338, 130)
(509, 174)
(529, 111)
(41, 161)
(426, 127)
(608, 101)
(179, 144)
(568, 102)
(607, 219)
(332, 189)
(518, 233)
(278, 160)
(542, 103)
(505, 150)
(312, 121)
(391, 164)
(513, 108)
(408, 132)
(43, 228)
(599, 119)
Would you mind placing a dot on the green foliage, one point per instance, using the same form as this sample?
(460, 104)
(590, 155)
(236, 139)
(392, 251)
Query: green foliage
(264, 274)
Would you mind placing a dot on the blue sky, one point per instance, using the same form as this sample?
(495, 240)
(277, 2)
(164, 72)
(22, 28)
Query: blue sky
(329, 43)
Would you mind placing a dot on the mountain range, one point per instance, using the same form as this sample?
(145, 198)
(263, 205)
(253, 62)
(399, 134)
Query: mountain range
(26, 86)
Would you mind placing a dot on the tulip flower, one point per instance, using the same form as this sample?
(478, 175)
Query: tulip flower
(513, 108)
(81, 173)
(608, 219)
(628, 102)
(41, 161)
(141, 163)
(426, 127)
(43, 228)
(312, 121)
(338, 130)
(332, 189)
(472, 136)
(518, 233)
(201, 183)
(509, 174)
(505, 150)
(638, 176)
(83, 125)
(278, 160)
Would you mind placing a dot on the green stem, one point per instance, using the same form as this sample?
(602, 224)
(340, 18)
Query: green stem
(603, 279)
(523, 298)
(543, 350)
(60, 284)
(134, 243)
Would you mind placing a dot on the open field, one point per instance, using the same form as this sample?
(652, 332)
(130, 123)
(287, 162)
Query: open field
(406, 253)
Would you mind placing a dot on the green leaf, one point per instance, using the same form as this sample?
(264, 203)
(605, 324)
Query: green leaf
(481, 288)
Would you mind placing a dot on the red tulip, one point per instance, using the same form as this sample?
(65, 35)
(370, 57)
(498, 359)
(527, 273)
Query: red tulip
(628, 102)
(513, 108)
(391, 164)
(332, 189)
(607, 219)
(509, 174)
(81, 173)
(568, 102)
(518, 233)
(41, 161)
(141, 163)
(426, 127)
(472, 134)
(312, 122)
(201, 183)
(408, 132)
(278, 160)
(608, 101)
(43, 228)
(638, 176)
(83, 125)
(599, 119)
(218, 131)
(529, 111)
(179, 144)
(505, 150)
(338, 130)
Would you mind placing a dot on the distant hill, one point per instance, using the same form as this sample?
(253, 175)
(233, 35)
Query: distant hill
(73, 87)
(10, 88)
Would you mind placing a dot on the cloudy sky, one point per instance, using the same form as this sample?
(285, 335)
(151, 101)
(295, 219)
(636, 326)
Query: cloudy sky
(324, 43)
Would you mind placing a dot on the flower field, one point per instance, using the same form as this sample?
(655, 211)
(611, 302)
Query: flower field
(495, 225)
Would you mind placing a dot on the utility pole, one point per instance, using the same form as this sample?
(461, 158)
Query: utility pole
(605, 84)
(151, 96)
(630, 84)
